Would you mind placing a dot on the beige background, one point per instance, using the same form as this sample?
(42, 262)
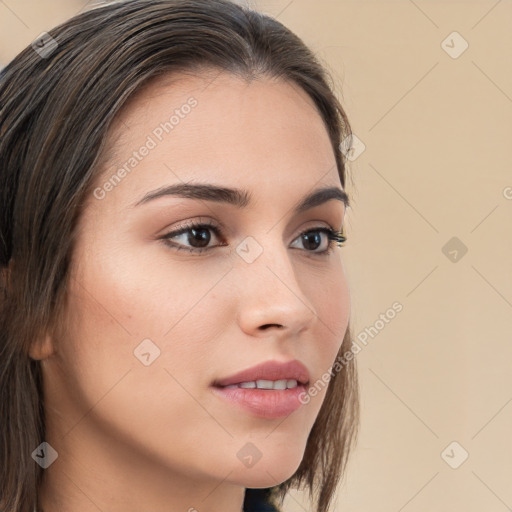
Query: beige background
(436, 165)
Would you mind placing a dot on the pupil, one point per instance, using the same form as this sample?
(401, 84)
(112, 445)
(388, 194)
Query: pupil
(204, 238)
(309, 237)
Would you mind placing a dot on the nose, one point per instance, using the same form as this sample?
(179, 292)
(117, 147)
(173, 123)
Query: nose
(271, 296)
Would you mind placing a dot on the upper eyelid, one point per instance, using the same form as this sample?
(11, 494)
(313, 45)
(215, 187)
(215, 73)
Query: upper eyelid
(220, 228)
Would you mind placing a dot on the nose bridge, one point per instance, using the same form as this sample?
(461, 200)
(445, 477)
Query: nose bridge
(270, 287)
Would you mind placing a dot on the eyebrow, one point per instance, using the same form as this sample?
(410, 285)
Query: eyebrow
(241, 198)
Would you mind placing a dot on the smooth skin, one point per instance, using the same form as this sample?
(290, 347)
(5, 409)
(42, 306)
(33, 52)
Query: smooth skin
(132, 437)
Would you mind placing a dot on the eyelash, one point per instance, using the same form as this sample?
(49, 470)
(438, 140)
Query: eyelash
(333, 236)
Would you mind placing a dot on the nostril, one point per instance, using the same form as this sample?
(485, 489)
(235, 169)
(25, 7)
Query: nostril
(270, 325)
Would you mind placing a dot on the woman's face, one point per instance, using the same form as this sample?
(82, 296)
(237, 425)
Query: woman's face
(149, 328)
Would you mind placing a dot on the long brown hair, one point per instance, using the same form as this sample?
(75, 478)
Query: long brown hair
(55, 112)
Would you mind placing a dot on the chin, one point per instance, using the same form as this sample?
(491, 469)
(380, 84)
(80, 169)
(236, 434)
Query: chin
(268, 474)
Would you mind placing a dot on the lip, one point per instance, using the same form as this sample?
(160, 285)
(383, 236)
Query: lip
(263, 403)
(268, 370)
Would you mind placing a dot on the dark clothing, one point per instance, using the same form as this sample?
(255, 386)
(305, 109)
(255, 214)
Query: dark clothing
(257, 500)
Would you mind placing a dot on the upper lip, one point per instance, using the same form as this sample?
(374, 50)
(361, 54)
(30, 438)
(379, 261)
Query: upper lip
(269, 370)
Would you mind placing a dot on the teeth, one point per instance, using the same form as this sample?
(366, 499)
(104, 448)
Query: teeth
(279, 384)
(266, 384)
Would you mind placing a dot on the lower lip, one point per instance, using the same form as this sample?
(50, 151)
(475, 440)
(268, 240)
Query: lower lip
(265, 403)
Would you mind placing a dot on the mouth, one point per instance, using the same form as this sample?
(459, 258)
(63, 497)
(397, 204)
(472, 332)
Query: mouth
(266, 384)
(265, 401)
(268, 375)
(269, 390)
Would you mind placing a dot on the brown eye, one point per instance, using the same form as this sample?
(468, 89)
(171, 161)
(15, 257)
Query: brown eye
(312, 240)
(196, 236)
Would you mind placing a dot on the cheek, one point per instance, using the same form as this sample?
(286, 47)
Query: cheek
(331, 298)
(121, 299)
(116, 303)
(142, 289)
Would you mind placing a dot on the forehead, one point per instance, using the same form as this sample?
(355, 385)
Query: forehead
(217, 127)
